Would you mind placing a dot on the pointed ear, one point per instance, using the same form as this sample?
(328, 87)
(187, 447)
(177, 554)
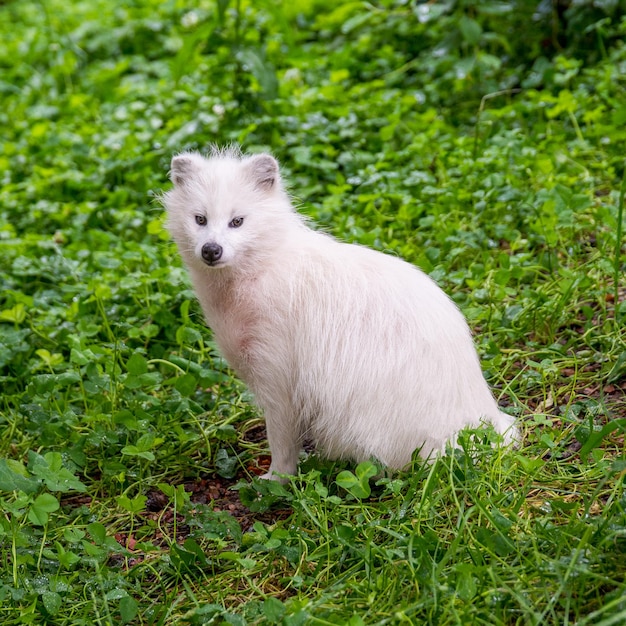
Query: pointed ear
(263, 171)
(185, 166)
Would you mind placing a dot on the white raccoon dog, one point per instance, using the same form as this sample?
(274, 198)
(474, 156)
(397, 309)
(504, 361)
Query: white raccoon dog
(354, 349)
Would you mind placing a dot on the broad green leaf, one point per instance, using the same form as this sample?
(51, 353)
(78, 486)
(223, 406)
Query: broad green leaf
(137, 364)
(132, 505)
(186, 384)
(16, 314)
(470, 29)
(52, 601)
(128, 609)
(51, 470)
(273, 610)
(465, 582)
(40, 509)
(15, 477)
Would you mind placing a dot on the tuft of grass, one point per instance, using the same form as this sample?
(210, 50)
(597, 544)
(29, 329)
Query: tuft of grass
(488, 155)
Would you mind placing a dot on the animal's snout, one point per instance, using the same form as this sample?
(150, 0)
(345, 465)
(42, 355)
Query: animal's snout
(211, 252)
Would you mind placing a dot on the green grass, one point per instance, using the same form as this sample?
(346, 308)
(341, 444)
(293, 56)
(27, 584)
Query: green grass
(488, 153)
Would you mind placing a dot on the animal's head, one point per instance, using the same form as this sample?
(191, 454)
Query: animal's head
(225, 210)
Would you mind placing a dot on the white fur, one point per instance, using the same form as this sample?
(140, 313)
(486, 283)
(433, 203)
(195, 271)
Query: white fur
(357, 350)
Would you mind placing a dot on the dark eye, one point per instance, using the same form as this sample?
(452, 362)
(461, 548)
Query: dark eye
(201, 220)
(236, 222)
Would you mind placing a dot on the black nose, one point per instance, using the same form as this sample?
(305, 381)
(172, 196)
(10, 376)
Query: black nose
(211, 252)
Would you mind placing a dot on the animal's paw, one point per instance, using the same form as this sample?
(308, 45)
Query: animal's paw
(272, 476)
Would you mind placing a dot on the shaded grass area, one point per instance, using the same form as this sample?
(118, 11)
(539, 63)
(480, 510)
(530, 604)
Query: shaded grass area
(130, 453)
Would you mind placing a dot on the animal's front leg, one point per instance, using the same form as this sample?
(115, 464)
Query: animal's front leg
(283, 436)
